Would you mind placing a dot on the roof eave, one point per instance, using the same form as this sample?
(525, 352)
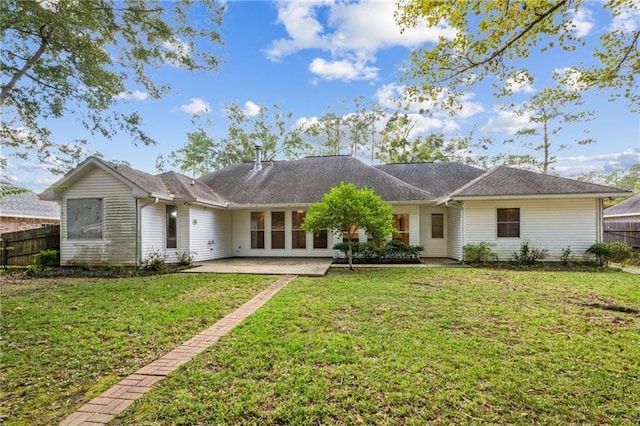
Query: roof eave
(538, 196)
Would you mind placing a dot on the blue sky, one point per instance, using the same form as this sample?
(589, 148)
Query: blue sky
(307, 56)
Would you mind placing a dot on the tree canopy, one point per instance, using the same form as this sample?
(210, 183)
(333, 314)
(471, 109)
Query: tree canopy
(492, 39)
(347, 208)
(62, 57)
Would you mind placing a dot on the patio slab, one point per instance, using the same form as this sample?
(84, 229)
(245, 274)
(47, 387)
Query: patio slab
(314, 267)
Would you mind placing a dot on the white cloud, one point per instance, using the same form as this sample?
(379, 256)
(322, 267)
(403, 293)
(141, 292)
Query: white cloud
(352, 33)
(570, 77)
(342, 70)
(136, 95)
(176, 50)
(520, 83)
(394, 96)
(506, 122)
(605, 163)
(628, 20)
(196, 106)
(582, 22)
(251, 109)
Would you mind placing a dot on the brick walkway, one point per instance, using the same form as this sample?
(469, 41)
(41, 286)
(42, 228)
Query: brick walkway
(103, 408)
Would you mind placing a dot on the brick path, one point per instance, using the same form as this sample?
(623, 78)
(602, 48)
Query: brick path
(103, 408)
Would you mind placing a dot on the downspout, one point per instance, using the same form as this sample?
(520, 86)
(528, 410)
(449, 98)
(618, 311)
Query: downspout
(599, 231)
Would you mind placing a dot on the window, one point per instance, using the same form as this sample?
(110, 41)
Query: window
(277, 230)
(257, 230)
(298, 235)
(437, 225)
(378, 242)
(509, 223)
(401, 223)
(172, 226)
(320, 240)
(84, 218)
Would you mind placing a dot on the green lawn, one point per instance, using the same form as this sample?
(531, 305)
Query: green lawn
(65, 341)
(378, 346)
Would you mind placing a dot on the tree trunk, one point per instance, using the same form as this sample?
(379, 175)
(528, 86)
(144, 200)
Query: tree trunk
(350, 255)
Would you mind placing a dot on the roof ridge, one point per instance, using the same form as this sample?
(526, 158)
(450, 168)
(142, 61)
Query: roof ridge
(429, 194)
(476, 180)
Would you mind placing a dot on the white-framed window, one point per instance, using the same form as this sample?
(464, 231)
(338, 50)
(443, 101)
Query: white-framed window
(508, 223)
(401, 223)
(437, 225)
(257, 230)
(171, 214)
(298, 235)
(277, 230)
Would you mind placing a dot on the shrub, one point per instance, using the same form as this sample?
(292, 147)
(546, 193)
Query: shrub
(155, 261)
(565, 256)
(478, 253)
(393, 251)
(610, 252)
(46, 259)
(529, 256)
(185, 258)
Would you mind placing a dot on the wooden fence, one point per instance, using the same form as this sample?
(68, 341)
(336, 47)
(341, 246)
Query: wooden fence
(17, 248)
(624, 231)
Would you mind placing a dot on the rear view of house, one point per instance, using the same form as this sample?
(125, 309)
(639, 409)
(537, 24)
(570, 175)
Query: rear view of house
(115, 214)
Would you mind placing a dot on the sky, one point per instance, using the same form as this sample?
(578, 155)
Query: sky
(312, 57)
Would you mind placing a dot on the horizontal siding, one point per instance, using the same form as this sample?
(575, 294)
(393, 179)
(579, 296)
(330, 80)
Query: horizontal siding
(118, 242)
(210, 233)
(433, 247)
(545, 224)
(152, 225)
(454, 233)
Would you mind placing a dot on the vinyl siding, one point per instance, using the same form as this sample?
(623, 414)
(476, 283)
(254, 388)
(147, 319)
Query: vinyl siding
(152, 225)
(118, 242)
(433, 247)
(210, 236)
(454, 233)
(545, 224)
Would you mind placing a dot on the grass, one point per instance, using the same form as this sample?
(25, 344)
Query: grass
(416, 346)
(66, 340)
(378, 346)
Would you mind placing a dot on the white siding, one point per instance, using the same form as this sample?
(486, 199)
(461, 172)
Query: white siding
(118, 242)
(454, 233)
(153, 230)
(544, 224)
(433, 247)
(210, 233)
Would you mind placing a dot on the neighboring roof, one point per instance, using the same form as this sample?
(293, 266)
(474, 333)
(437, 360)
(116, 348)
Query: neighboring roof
(305, 181)
(27, 204)
(508, 181)
(439, 179)
(628, 207)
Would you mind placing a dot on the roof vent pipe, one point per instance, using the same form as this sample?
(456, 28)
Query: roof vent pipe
(258, 164)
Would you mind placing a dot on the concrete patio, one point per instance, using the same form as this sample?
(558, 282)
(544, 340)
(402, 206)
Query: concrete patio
(307, 266)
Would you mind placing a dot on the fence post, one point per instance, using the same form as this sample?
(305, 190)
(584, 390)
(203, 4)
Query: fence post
(3, 252)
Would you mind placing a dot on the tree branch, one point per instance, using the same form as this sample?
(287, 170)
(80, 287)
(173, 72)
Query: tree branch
(500, 51)
(632, 45)
(46, 35)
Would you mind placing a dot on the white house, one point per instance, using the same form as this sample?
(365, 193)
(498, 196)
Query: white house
(118, 215)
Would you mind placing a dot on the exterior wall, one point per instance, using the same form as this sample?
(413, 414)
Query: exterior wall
(454, 233)
(241, 230)
(13, 224)
(545, 224)
(433, 247)
(210, 233)
(118, 242)
(152, 229)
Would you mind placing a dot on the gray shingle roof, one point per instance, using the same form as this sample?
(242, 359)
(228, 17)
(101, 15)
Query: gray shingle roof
(182, 186)
(305, 181)
(27, 204)
(628, 207)
(504, 180)
(439, 179)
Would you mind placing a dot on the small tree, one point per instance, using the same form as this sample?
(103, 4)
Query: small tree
(346, 207)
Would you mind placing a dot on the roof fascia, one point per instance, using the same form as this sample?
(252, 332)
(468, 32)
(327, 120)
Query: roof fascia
(538, 196)
(605, 215)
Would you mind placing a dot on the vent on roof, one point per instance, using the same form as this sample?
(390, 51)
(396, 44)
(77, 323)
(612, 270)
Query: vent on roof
(258, 164)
